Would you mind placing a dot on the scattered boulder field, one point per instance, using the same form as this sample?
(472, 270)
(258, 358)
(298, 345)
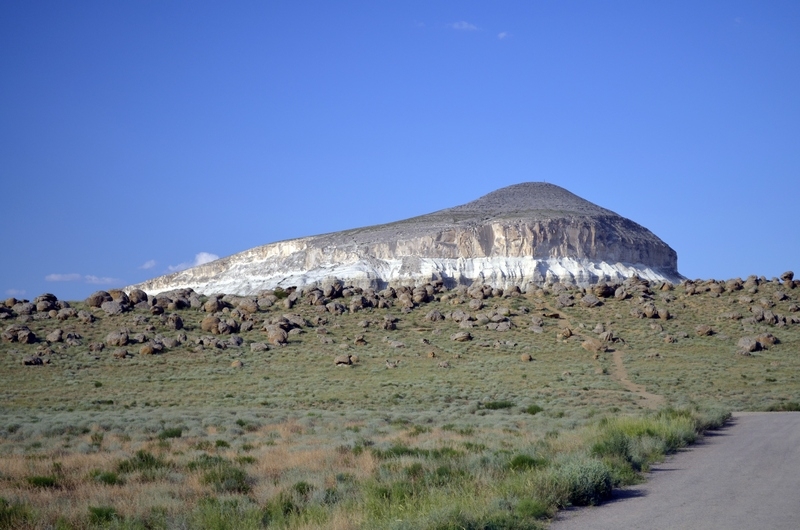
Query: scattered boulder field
(123, 324)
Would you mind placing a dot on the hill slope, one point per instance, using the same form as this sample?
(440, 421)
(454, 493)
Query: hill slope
(527, 233)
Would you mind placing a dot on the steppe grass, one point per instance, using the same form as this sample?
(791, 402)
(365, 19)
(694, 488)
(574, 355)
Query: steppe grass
(183, 439)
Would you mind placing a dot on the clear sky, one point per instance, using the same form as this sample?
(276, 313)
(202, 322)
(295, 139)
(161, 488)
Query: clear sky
(140, 137)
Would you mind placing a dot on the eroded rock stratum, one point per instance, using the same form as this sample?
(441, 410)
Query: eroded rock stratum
(529, 233)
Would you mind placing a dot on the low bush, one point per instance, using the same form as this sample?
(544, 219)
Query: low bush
(790, 406)
(102, 514)
(142, 461)
(533, 409)
(228, 514)
(108, 478)
(226, 479)
(13, 514)
(174, 432)
(43, 482)
(523, 462)
(498, 405)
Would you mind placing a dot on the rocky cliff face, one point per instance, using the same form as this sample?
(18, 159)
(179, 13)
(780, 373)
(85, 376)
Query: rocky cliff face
(526, 233)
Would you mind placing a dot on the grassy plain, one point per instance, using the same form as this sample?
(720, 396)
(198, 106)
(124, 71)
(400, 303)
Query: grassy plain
(184, 439)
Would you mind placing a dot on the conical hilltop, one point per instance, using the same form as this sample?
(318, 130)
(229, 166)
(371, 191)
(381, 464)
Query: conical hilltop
(527, 233)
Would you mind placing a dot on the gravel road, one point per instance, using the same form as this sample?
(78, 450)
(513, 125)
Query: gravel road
(744, 476)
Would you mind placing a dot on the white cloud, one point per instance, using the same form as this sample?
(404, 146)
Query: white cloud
(15, 292)
(96, 280)
(149, 264)
(88, 278)
(462, 25)
(502, 35)
(74, 277)
(200, 258)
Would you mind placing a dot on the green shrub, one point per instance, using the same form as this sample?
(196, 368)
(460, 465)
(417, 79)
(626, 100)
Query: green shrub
(142, 461)
(588, 480)
(496, 520)
(522, 462)
(226, 479)
(207, 462)
(533, 409)
(108, 478)
(497, 405)
(399, 450)
(302, 488)
(229, 514)
(174, 432)
(101, 514)
(533, 509)
(13, 515)
(791, 406)
(280, 507)
(43, 482)
(202, 445)
(219, 444)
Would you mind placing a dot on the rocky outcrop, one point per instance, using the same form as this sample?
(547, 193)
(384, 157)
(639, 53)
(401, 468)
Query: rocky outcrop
(522, 234)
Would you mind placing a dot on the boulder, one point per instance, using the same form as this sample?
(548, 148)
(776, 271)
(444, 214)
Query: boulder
(787, 276)
(459, 316)
(704, 331)
(248, 305)
(18, 333)
(434, 316)
(213, 305)
(173, 321)
(461, 336)
(767, 339)
(650, 311)
(113, 308)
(85, 317)
(276, 335)
(57, 335)
(603, 290)
(97, 298)
(117, 338)
(594, 346)
(43, 306)
(590, 300)
(26, 336)
(24, 308)
(525, 357)
(121, 354)
(342, 360)
(32, 360)
(748, 344)
(136, 296)
(564, 300)
(258, 347)
(336, 308)
(210, 324)
(118, 295)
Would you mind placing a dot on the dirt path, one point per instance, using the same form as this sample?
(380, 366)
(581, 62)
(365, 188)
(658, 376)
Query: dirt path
(620, 374)
(651, 401)
(742, 477)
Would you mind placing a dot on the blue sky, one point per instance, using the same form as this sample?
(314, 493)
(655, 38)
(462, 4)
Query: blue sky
(140, 137)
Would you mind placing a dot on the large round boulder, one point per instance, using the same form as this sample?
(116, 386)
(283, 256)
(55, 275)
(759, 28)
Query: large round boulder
(97, 298)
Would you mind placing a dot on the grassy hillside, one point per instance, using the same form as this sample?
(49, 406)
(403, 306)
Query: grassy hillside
(201, 429)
